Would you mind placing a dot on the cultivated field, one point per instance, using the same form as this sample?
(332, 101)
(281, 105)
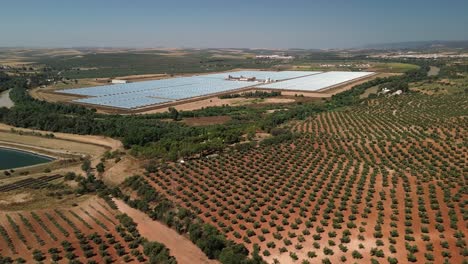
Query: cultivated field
(383, 182)
(90, 231)
(180, 247)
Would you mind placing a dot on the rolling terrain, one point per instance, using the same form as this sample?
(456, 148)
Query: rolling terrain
(381, 181)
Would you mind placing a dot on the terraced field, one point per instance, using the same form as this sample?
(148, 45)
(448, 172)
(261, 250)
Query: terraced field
(380, 182)
(88, 233)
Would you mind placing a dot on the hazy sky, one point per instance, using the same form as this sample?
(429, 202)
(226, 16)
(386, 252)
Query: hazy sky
(242, 23)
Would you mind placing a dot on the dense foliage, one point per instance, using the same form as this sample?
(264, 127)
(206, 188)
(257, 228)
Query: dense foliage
(255, 94)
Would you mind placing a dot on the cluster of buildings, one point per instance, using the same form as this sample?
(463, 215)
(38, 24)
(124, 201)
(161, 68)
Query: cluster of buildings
(116, 81)
(365, 65)
(414, 55)
(274, 57)
(249, 79)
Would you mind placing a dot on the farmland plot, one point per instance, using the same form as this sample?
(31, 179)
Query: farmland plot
(381, 182)
(88, 233)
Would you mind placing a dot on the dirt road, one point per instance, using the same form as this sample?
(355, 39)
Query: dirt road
(180, 247)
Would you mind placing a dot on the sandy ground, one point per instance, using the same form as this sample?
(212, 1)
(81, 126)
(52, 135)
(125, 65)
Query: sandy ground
(215, 101)
(15, 199)
(57, 146)
(180, 247)
(116, 173)
(42, 94)
(433, 71)
(5, 100)
(144, 77)
(66, 148)
(95, 140)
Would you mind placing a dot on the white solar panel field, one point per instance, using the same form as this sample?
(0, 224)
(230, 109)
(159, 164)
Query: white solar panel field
(316, 82)
(146, 93)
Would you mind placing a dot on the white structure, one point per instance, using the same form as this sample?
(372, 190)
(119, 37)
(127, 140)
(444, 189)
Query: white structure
(115, 81)
(385, 90)
(274, 57)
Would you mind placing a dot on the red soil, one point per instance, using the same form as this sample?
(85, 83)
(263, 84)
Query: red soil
(180, 247)
(95, 207)
(362, 170)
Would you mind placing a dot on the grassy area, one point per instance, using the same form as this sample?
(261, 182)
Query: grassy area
(394, 67)
(369, 91)
(442, 86)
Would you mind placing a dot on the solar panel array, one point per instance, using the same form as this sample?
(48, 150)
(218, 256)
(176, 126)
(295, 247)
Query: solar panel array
(317, 81)
(262, 75)
(142, 94)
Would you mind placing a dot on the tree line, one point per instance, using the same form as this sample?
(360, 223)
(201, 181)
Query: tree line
(207, 237)
(150, 137)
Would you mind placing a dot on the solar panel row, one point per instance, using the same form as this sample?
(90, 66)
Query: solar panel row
(316, 82)
(141, 94)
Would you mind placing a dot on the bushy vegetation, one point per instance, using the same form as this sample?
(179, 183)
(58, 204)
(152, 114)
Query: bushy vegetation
(122, 64)
(254, 94)
(212, 242)
(150, 137)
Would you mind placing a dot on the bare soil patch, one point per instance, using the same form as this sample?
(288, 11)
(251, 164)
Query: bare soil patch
(116, 173)
(67, 148)
(180, 247)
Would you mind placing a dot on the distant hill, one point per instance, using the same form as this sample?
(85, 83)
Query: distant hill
(435, 44)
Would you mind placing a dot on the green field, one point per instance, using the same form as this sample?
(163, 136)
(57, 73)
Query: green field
(122, 64)
(395, 67)
(444, 86)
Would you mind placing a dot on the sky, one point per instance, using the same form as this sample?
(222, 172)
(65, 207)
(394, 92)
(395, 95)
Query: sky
(228, 24)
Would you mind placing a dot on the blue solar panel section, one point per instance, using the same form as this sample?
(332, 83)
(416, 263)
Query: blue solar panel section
(142, 94)
(119, 102)
(317, 81)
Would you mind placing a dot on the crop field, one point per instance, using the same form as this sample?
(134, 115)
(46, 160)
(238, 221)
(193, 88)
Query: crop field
(88, 232)
(113, 64)
(381, 182)
(29, 183)
(149, 93)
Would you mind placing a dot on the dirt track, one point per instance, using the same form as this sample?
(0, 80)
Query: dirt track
(65, 146)
(180, 247)
(94, 140)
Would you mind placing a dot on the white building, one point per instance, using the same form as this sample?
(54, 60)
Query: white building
(274, 57)
(115, 81)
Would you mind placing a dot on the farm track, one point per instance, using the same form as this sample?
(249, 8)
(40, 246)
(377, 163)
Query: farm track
(376, 181)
